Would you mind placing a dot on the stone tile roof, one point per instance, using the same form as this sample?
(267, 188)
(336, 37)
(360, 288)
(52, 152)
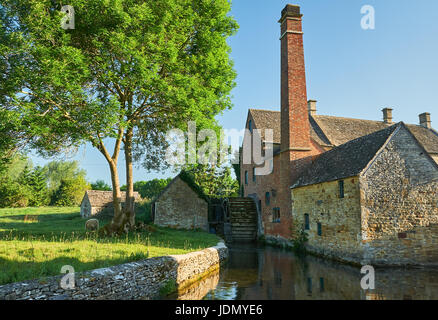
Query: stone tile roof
(268, 119)
(334, 131)
(346, 160)
(102, 198)
(341, 130)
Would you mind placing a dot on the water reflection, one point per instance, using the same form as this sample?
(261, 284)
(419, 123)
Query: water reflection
(274, 274)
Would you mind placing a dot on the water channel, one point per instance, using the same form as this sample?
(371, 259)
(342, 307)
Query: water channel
(264, 273)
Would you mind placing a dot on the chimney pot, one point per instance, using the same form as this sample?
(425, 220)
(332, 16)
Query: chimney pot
(387, 115)
(425, 120)
(311, 104)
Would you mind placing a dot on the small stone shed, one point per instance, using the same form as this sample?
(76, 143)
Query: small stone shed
(100, 202)
(180, 206)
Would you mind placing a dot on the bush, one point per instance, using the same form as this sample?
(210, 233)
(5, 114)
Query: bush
(13, 194)
(143, 211)
(70, 192)
(299, 244)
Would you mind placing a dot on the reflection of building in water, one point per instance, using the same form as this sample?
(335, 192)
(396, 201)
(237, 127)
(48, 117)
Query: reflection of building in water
(272, 274)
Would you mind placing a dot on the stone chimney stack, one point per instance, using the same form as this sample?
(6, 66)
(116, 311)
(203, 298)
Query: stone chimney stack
(425, 120)
(387, 115)
(295, 128)
(311, 104)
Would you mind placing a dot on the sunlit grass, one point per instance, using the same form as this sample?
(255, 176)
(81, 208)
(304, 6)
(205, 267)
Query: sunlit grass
(35, 249)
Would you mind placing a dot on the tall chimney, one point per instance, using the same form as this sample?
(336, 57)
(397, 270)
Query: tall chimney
(311, 104)
(387, 115)
(295, 128)
(425, 120)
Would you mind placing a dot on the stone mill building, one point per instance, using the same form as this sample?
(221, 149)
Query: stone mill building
(363, 191)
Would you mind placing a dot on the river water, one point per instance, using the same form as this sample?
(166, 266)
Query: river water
(264, 273)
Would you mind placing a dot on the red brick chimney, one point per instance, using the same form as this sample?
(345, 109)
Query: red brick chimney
(295, 127)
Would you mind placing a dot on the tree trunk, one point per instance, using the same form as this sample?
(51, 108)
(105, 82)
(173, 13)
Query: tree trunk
(130, 200)
(119, 221)
(119, 217)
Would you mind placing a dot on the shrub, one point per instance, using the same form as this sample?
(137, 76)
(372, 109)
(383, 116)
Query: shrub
(13, 194)
(143, 211)
(299, 243)
(70, 192)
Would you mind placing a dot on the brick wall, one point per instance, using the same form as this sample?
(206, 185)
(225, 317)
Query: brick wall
(180, 207)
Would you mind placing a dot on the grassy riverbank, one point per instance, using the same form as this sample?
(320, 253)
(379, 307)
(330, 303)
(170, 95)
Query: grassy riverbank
(37, 242)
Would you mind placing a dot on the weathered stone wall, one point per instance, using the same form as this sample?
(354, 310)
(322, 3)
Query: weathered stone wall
(136, 280)
(181, 208)
(400, 205)
(339, 218)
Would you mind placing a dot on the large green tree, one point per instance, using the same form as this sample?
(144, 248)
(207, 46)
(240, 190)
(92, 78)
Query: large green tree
(129, 71)
(56, 171)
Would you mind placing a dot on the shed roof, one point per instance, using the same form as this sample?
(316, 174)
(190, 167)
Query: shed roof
(99, 198)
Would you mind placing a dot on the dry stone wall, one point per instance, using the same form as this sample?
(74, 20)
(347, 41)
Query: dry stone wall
(130, 281)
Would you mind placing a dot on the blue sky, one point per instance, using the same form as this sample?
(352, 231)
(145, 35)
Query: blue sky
(350, 71)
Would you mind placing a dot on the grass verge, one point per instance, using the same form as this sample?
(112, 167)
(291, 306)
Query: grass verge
(37, 242)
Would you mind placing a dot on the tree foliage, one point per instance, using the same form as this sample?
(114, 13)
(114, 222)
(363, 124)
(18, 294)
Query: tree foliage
(56, 171)
(130, 70)
(149, 189)
(100, 185)
(70, 192)
(215, 182)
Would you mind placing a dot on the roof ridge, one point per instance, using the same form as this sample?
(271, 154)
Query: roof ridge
(340, 171)
(251, 109)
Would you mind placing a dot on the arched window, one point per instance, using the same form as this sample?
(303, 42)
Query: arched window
(246, 177)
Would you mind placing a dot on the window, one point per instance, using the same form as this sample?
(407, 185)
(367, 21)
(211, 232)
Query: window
(309, 285)
(321, 285)
(267, 198)
(319, 229)
(246, 177)
(341, 189)
(254, 174)
(306, 222)
(276, 215)
(250, 126)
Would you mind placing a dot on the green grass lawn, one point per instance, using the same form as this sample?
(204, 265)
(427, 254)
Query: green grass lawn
(52, 237)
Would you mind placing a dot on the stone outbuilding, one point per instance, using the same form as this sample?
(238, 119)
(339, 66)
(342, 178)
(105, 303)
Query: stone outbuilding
(181, 206)
(100, 202)
(372, 200)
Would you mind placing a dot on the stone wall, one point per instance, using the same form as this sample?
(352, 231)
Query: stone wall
(180, 207)
(136, 280)
(400, 205)
(339, 218)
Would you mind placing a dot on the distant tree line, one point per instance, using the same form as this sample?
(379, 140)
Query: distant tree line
(58, 183)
